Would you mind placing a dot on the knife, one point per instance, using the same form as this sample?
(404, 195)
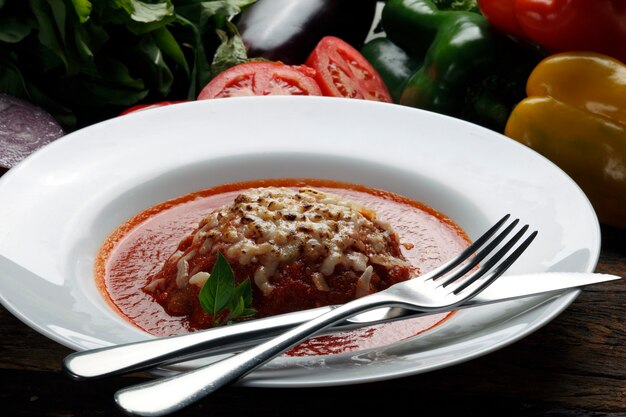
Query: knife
(118, 359)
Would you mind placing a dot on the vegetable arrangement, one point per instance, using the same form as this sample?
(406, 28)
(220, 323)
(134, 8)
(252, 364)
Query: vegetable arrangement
(88, 60)
(480, 65)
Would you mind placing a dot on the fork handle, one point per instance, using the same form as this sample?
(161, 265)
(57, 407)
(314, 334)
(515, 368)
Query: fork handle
(118, 359)
(167, 395)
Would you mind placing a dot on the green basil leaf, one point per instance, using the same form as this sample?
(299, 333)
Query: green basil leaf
(201, 68)
(200, 13)
(13, 29)
(83, 48)
(95, 93)
(83, 9)
(48, 31)
(59, 13)
(144, 12)
(217, 291)
(242, 299)
(170, 47)
(151, 12)
(139, 28)
(248, 312)
(157, 73)
(236, 307)
(231, 51)
(116, 72)
(11, 79)
(13, 82)
(125, 5)
(244, 290)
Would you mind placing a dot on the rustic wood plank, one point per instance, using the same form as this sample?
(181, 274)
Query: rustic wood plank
(24, 348)
(48, 394)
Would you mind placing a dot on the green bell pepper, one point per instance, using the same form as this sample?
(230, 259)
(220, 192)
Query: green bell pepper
(469, 69)
(393, 64)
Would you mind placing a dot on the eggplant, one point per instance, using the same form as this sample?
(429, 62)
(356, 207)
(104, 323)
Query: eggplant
(288, 30)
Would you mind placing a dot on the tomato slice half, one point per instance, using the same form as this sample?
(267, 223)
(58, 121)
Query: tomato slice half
(262, 79)
(343, 72)
(140, 107)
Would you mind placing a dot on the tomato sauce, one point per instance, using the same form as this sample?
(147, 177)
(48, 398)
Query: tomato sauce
(139, 247)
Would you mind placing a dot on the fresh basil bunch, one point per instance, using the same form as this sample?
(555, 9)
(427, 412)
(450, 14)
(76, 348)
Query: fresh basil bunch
(85, 60)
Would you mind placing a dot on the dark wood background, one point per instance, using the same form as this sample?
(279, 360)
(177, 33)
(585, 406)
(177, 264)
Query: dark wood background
(573, 366)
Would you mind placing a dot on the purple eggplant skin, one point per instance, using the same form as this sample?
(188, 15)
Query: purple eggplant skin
(288, 30)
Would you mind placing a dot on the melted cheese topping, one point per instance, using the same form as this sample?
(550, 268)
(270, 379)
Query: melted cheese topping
(272, 227)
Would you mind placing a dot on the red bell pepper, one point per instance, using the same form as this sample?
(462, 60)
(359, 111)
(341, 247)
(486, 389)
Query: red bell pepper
(563, 25)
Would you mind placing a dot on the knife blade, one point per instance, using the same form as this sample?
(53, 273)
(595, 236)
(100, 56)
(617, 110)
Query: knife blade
(118, 359)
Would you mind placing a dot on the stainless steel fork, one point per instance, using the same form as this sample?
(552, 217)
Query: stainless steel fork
(450, 285)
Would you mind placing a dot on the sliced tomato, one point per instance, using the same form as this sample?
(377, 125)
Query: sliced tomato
(140, 107)
(343, 72)
(262, 79)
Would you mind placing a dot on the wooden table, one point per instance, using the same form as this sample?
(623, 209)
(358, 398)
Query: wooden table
(574, 366)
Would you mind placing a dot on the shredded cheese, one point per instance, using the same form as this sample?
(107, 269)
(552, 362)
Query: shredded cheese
(271, 227)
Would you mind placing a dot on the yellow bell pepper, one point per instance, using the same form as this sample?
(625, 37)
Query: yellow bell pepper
(575, 115)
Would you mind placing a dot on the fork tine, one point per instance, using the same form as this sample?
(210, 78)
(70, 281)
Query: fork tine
(501, 268)
(469, 251)
(479, 255)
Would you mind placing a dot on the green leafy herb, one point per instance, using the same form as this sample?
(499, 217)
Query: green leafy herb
(220, 297)
(87, 60)
(231, 51)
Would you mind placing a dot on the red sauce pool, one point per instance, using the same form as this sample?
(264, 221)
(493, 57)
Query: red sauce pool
(138, 248)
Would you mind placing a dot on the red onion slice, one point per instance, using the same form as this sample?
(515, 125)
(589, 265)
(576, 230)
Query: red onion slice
(24, 128)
